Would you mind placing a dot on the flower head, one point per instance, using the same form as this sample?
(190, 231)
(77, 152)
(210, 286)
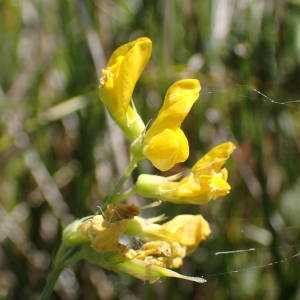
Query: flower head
(206, 181)
(106, 239)
(164, 143)
(118, 81)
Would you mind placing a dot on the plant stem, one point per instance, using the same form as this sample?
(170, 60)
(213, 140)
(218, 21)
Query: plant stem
(50, 283)
(65, 256)
(120, 197)
(111, 198)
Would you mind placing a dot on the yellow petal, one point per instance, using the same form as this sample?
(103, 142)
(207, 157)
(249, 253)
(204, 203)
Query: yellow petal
(178, 101)
(123, 70)
(118, 81)
(188, 230)
(212, 161)
(199, 190)
(164, 142)
(167, 148)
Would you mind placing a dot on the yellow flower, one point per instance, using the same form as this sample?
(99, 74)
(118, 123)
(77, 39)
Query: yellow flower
(206, 181)
(187, 230)
(118, 81)
(164, 143)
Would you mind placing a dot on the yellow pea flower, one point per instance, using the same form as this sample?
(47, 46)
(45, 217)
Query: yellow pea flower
(206, 181)
(187, 230)
(164, 143)
(118, 81)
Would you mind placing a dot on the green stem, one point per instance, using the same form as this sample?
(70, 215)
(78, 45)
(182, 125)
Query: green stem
(50, 283)
(64, 257)
(111, 198)
(120, 197)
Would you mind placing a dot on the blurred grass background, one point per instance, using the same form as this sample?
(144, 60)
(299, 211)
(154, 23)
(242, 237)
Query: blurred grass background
(60, 154)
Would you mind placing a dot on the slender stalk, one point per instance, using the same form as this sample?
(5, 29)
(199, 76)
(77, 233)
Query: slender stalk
(114, 195)
(126, 194)
(50, 283)
(65, 256)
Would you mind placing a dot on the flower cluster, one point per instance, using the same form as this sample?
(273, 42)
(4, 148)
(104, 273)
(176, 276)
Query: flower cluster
(107, 238)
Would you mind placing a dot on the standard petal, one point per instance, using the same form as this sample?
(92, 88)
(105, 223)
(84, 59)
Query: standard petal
(118, 81)
(137, 56)
(164, 143)
(178, 102)
(213, 161)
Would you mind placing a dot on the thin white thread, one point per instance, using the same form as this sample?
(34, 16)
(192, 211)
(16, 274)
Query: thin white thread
(265, 97)
(235, 251)
(275, 101)
(283, 260)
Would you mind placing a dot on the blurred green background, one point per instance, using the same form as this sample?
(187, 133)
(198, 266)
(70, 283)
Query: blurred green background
(60, 154)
